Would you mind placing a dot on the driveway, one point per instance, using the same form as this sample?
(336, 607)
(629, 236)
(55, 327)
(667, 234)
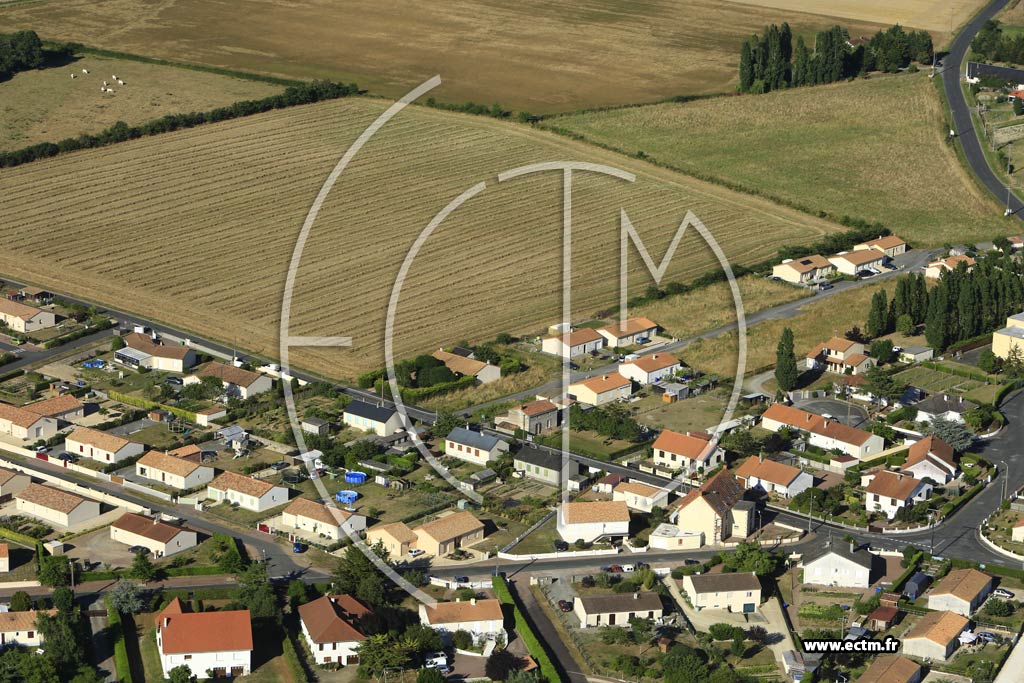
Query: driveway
(844, 412)
(130, 428)
(97, 548)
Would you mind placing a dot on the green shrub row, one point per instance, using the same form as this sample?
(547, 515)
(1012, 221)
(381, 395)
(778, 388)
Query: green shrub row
(417, 394)
(20, 538)
(150, 405)
(292, 658)
(897, 585)
(952, 505)
(78, 334)
(124, 671)
(530, 639)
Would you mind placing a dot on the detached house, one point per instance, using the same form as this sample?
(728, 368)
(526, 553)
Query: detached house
(534, 417)
(143, 351)
(931, 458)
(482, 619)
(892, 669)
(576, 343)
(710, 509)
(1010, 337)
(773, 477)
(855, 262)
(12, 482)
(936, 636)
(804, 270)
(651, 369)
(839, 565)
(447, 534)
(688, 453)
(397, 538)
(631, 332)
(943, 406)
(937, 269)
(640, 497)
(736, 592)
(602, 389)
(64, 407)
(822, 432)
(161, 538)
(215, 642)
(485, 373)
(887, 492)
(332, 629)
(840, 356)
(25, 424)
(23, 318)
(474, 447)
(315, 518)
(178, 473)
(540, 464)
(19, 629)
(961, 591)
(890, 246)
(367, 417)
(101, 446)
(56, 507)
(251, 494)
(593, 520)
(236, 381)
(617, 609)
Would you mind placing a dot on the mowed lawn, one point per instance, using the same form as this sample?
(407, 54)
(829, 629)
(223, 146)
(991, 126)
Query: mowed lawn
(48, 105)
(200, 225)
(871, 149)
(532, 55)
(816, 322)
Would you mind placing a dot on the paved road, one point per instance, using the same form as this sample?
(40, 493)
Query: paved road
(910, 262)
(844, 412)
(953, 65)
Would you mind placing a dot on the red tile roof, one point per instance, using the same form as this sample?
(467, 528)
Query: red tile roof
(689, 445)
(187, 632)
(333, 619)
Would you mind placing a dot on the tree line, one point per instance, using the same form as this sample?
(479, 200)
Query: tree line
(773, 61)
(20, 51)
(304, 93)
(993, 45)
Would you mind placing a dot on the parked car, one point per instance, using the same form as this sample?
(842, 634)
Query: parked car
(176, 381)
(824, 286)
(444, 670)
(642, 565)
(461, 579)
(139, 550)
(565, 605)
(415, 552)
(66, 457)
(561, 546)
(615, 569)
(278, 466)
(435, 660)
(628, 568)
(298, 547)
(42, 449)
(986, 636)
(1003, 593)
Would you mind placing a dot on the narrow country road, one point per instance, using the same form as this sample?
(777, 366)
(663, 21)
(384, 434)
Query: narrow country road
(963, 126)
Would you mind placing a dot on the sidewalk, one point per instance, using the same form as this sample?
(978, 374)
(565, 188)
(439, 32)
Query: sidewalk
(175, 582)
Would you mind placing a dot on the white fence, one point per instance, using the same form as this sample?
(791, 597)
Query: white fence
(451, 584)
(550, 556)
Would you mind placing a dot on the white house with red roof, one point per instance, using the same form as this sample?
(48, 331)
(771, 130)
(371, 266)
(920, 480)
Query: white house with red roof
(629, 332)
(576, 343)
(840, 356)
(771, 476)
(931, 458)
(331, 627)
(639, 496)
(217, 641)
(651, 369)
(887, 492)
(825, 433)
(482, 619)
(687, 453)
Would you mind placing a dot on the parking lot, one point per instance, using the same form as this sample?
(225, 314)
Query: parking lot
(841, 411)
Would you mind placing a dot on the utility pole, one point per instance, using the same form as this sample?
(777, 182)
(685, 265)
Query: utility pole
(810, 516)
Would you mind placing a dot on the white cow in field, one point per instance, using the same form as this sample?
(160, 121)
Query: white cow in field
(120, 82)
(85, 71)
(105, 84)
(74, 76)
(114, 76)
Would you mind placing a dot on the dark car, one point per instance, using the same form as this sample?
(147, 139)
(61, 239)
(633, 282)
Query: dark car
(615, 569)
(565, 605)
(642, 565)
(561, 546)
(138, 550)
(461, 579)
(298, 547)
(986, 636)
(282, 465)
(66, 456)
(825, 286)
(176, 381)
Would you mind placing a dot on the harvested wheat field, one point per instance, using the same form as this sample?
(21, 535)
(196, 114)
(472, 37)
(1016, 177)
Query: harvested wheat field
(937, 16)
(871, 149)
(199, 226)
(531, 55)
(817, 322)
(48, 105)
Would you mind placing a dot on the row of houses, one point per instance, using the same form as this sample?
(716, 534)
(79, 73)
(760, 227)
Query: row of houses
(571, 343)
(439, 537)
(870, 256)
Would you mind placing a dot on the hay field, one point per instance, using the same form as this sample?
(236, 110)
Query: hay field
(1012, 14)
(708, 308)
(196, 228)
(871, 149)
(48, 106)
(535, 55)
(937, 16)
(816, 322)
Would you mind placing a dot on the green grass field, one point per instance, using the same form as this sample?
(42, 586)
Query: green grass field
(870, 149)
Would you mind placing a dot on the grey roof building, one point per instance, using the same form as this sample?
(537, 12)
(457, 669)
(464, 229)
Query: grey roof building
(369, 411)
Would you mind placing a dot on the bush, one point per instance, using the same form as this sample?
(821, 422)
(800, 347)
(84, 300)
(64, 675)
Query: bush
(999, 608)
(124, 674)
(533, 644)
(725, 631)
(462, 640)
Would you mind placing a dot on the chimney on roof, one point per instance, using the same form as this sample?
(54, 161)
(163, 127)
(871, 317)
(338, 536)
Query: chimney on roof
(167, 622)
(760, 457)
(604, 377)
(636, 596)
(472, 601)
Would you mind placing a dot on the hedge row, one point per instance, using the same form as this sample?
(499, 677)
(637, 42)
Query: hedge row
(124, 671)
(957, 371)
(292, 658)
(416, 394)
(143, 403)
(897, 585)
(952, 505)
(20, 538)
(78, 334)
(532, 642)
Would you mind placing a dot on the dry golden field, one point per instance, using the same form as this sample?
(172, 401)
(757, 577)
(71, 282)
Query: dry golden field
(708, 308)
(47, 105)
(535, 55)
(937, 16)
(872, 149)
(1013, 13)
(816, 322)
(196, 228)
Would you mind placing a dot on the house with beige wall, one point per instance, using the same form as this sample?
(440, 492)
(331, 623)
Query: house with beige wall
(888, 245)
(936, 269)
(447, 534)
(688, 453)
(474, 447)
(20, 629)
(936, 636)
(101, 446)
(24, 318)
(576, 343)
(961, 591)
(802, 271)
(709, 509)
(54, 506)
(63, 407)
(178, 473)
(311, 517)
(1010, 337)
(735, 592)
(247, 492)
(597, 391)
(26, 425)
(630, 332)
(11, 483)
(161, 538)
(853, 262)
(396, 538)
(236, 381)
(639, 496)
(617, 609)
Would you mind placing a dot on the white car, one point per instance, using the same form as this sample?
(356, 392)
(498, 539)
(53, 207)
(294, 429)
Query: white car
(628, 568)
(415, 552)
(436, 660)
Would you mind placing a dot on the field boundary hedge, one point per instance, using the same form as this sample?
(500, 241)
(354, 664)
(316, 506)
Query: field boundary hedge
(145, 403)
(121, 664)
(533, 644)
